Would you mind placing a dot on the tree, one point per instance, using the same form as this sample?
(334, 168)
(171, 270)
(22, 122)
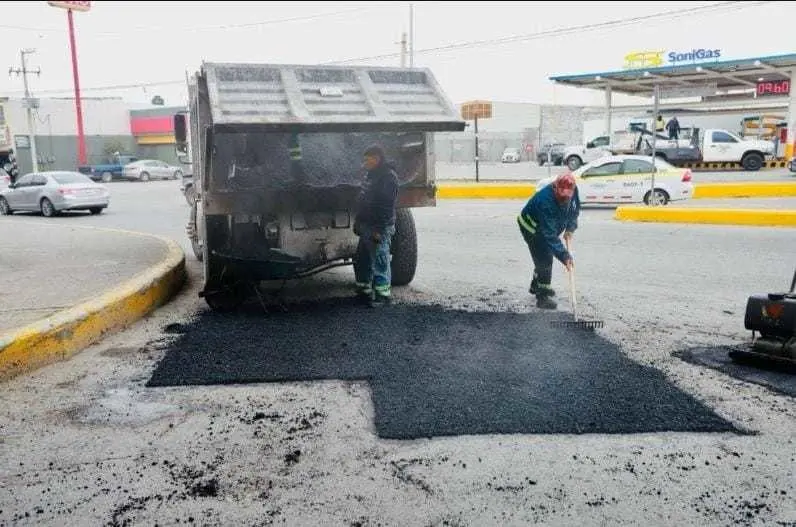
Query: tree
(112, 147)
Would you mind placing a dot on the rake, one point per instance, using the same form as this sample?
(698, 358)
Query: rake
(576, 323)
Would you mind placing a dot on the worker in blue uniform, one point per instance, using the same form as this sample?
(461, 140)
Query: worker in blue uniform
(550, 212)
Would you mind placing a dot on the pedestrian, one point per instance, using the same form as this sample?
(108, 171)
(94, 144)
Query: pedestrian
(659, 124)
(673, 126)
(550, 212)
(375, 226)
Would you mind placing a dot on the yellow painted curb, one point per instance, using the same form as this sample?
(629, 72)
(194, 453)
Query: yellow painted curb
(481, 191)
(762, 189)
(69, 331)
(748, 217)
(744, 190)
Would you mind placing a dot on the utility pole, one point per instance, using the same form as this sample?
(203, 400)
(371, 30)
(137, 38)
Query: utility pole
(403, 49)
(29, 104)
(411, 35)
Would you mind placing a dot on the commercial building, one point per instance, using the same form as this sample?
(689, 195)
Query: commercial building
(526, 126)
(109, 126)
(753, 92)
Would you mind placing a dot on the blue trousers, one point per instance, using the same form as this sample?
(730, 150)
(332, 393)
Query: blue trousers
(372, 261)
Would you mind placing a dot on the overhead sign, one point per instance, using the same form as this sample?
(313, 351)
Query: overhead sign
(22, 141)
(479, 109)
(702, 89)
(659, 58)
(74, 6)
(773, 88)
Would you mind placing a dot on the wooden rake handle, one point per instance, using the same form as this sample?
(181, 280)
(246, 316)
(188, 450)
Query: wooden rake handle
(572, 295)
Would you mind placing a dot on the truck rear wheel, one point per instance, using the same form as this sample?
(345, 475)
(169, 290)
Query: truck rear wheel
(404, 248)
(752, 162)
(574, 162)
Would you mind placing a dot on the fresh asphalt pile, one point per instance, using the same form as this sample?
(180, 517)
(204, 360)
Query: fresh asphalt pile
(439, 372)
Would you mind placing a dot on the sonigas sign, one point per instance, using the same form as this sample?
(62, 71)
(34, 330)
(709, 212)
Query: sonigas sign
(74, 6)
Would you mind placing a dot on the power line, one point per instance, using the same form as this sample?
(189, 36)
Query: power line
(200, 28)
(735, 5)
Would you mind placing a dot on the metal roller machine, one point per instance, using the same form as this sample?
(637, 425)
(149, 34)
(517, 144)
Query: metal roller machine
(772, 319)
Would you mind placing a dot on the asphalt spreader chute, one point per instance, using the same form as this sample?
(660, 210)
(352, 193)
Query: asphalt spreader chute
(772, 319)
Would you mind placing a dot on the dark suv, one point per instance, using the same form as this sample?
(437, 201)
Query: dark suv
(556, 151)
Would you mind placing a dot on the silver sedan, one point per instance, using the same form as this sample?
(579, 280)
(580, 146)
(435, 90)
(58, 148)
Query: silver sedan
(53, 192)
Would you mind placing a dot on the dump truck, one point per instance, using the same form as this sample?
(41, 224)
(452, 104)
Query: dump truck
(277, 166)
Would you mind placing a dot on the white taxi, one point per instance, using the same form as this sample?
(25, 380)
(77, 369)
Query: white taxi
(628, 179)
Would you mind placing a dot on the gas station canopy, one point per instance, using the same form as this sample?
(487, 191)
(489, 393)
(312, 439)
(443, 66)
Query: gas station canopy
(708, 79)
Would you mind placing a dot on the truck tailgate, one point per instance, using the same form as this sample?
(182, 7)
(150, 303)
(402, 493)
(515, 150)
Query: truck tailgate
(276, 97)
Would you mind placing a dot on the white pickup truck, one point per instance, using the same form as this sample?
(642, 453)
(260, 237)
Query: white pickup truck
(711, 145)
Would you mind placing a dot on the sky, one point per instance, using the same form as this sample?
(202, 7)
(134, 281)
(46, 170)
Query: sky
(136, 50)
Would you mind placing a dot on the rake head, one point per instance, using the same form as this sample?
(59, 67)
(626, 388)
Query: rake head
(578, 324)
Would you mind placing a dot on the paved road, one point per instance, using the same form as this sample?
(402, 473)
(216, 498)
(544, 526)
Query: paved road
(45, 265)
(87, 442)
(529, 171)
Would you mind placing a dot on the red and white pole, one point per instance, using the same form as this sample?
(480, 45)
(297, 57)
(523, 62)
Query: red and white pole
(75, 5)
(81, 139)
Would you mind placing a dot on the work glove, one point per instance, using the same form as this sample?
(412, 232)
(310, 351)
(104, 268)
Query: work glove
(377, 237)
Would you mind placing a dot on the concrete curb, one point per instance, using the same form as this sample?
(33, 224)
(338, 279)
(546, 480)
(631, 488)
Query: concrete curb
(744, 190)
(701, 191)
(744, 217)
(71, 330)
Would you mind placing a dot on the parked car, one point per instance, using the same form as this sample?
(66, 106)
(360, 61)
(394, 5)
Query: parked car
(54, 192)
(106, 172)
(511, 155)
(792, 165)
(146, 169)
(628, 179)
(555, 152)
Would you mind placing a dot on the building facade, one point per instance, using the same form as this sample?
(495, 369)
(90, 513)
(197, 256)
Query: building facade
(526, 126)
(109, 126)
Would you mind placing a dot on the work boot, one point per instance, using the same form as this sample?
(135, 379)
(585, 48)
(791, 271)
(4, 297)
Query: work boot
(535, 290)
(545, 302)
(380, 300)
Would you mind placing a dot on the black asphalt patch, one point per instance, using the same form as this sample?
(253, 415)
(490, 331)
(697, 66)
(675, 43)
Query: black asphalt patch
(773, 376)
(439, 372)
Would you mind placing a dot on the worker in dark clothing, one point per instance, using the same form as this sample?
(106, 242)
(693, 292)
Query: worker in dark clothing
(375, 226)
(673, 127)
(549, 213)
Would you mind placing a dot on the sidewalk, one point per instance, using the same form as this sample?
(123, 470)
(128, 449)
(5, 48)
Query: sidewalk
(47, 266)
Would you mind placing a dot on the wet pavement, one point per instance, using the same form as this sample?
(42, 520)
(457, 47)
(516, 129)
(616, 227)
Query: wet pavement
(47, 264)
(87, 442)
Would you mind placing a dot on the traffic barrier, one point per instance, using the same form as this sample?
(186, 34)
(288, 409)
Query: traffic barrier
(701, 191)
(747, 217)
(730, 166)
(69, 331)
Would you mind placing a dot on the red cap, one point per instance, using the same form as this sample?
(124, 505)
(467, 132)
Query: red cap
(564, 186)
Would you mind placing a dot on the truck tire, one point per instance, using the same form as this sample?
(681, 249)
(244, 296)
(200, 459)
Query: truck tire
(193, 233)
(752, 162)
(106, 177)
(574, 162)
(404, 249)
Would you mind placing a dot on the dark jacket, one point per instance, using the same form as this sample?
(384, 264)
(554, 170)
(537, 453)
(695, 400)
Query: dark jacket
(544, 216)
(379, 197)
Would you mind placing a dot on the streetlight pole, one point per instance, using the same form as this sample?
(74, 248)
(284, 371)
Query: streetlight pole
(411, 35)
